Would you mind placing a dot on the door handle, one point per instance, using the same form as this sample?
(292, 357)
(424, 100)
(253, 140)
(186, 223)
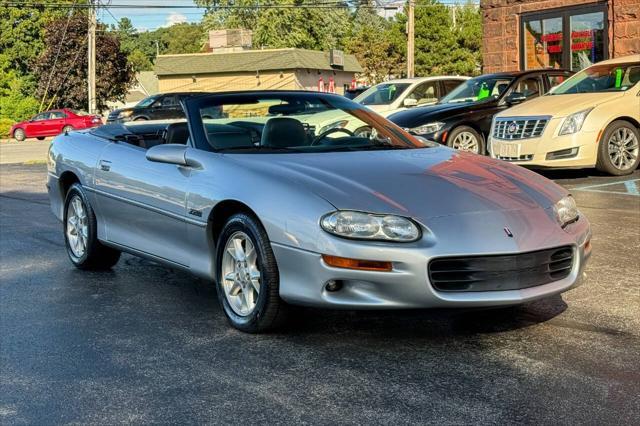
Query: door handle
(105, 165)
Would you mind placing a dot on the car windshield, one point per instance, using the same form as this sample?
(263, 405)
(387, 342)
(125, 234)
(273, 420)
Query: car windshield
(147, 101)
(478, 89)
(382, 94)
(295, 122)
(601, 78)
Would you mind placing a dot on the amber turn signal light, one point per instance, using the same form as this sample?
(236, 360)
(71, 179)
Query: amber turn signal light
(363, 265)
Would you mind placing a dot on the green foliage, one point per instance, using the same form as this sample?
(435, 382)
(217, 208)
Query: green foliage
(61, 70)
(440, 46)
(5, 127)
(139, 61)
(288, 26)
(371, 42)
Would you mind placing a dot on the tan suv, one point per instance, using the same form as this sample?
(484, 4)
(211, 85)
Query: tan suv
(592, 119)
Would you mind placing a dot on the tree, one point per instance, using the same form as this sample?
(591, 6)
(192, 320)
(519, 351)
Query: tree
(290, 25)
(370, 41)
(21, 42)
(440, 47)
(61, 70)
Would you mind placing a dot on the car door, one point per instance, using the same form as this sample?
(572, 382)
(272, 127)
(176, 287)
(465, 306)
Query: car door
(167, 107)
(424, 93)
(55, 123)
(142, 203)
(37, 125)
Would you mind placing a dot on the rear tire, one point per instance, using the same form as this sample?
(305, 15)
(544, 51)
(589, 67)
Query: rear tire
(465, 138)
(245, 264)
(67, 129)
(139, 119)
(81, 236)
(40, 138)
(19, 135)
(618, 150)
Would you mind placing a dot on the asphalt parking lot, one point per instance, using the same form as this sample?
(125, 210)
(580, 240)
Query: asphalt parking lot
(145, 344)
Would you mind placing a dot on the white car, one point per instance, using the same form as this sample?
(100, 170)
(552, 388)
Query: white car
(397, 95)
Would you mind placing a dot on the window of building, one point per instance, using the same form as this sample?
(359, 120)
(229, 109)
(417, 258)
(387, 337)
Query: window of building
(571, 38)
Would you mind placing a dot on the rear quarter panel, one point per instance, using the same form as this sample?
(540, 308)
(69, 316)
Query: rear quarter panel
(72, 156)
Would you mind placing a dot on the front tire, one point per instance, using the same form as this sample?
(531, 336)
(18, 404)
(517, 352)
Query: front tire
(81, 236)
(247, 277)
(465, 138)
(19, 135)
(618, 149)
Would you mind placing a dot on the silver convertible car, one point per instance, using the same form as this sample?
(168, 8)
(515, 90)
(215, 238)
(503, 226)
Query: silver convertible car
(253, 194)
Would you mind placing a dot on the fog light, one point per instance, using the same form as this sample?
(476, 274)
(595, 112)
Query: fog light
(333, 285)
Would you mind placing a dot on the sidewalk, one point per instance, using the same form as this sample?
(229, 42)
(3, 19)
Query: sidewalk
(24, 152)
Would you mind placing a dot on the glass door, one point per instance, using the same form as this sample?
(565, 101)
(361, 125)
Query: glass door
(587, 39)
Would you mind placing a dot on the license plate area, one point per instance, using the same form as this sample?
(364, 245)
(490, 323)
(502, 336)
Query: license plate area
(509, 150)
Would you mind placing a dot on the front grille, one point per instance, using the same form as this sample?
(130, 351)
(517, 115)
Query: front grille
(500, 272)
(516, 128)
(527, 157)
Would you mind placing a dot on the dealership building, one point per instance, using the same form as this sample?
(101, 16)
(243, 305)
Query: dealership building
(572, 34)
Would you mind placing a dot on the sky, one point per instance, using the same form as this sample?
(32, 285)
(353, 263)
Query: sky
(150, 19)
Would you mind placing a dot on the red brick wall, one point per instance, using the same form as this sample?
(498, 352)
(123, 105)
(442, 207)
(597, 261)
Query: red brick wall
(501, 29)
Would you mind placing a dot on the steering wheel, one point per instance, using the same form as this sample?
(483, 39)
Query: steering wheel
(328, 132)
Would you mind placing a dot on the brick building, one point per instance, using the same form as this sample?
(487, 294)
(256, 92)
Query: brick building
(527, 34)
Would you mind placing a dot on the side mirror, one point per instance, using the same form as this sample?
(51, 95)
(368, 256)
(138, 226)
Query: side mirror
(409, 102)
(515, 98)
(169, 153)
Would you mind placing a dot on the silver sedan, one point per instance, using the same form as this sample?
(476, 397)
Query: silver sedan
(259, 194)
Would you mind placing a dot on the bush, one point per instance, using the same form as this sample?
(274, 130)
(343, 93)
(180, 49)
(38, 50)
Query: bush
(5, 126)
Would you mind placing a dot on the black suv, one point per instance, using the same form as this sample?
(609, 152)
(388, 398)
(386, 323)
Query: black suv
(462, 119)
(163, 106)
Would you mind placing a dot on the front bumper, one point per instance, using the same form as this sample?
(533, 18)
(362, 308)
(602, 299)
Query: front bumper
(549, 151)
(303, 275)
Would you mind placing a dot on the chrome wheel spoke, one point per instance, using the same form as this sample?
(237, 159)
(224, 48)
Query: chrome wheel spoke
(241, 276)
(77, 230)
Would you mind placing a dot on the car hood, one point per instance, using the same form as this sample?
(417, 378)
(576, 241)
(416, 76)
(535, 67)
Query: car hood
(560, 105)
(419, 183)
(418, 116)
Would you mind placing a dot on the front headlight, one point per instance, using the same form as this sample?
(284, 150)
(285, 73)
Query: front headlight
(427, 128)
(125, 114)
(366, 226)
(566, 211)
(573, 123)
(337, 125)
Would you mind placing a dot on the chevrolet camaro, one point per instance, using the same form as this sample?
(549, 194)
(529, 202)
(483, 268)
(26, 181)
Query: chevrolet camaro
(247, 193)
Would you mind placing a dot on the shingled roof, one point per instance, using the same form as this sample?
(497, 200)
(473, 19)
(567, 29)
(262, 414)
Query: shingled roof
(249, 60)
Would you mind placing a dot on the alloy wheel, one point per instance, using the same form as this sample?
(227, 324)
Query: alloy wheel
(623, 148)
(465, 141)
(240, 274)
(77, 227)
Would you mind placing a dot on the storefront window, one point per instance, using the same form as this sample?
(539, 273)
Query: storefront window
(543, 43)
(587, 40)
(571, 38)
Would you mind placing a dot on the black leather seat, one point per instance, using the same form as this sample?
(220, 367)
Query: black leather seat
(282, 132)
(176, 133)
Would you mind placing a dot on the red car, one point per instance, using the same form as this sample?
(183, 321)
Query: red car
(54, 122)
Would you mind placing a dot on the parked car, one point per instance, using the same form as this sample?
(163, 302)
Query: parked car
(462, 119)
(591, 120)
(275, 213)
(352, 93)
(54, 122)
(397, 95)
(156, 107)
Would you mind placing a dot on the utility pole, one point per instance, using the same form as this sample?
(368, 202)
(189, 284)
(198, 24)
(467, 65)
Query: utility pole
(91, 73)
(410, 39)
